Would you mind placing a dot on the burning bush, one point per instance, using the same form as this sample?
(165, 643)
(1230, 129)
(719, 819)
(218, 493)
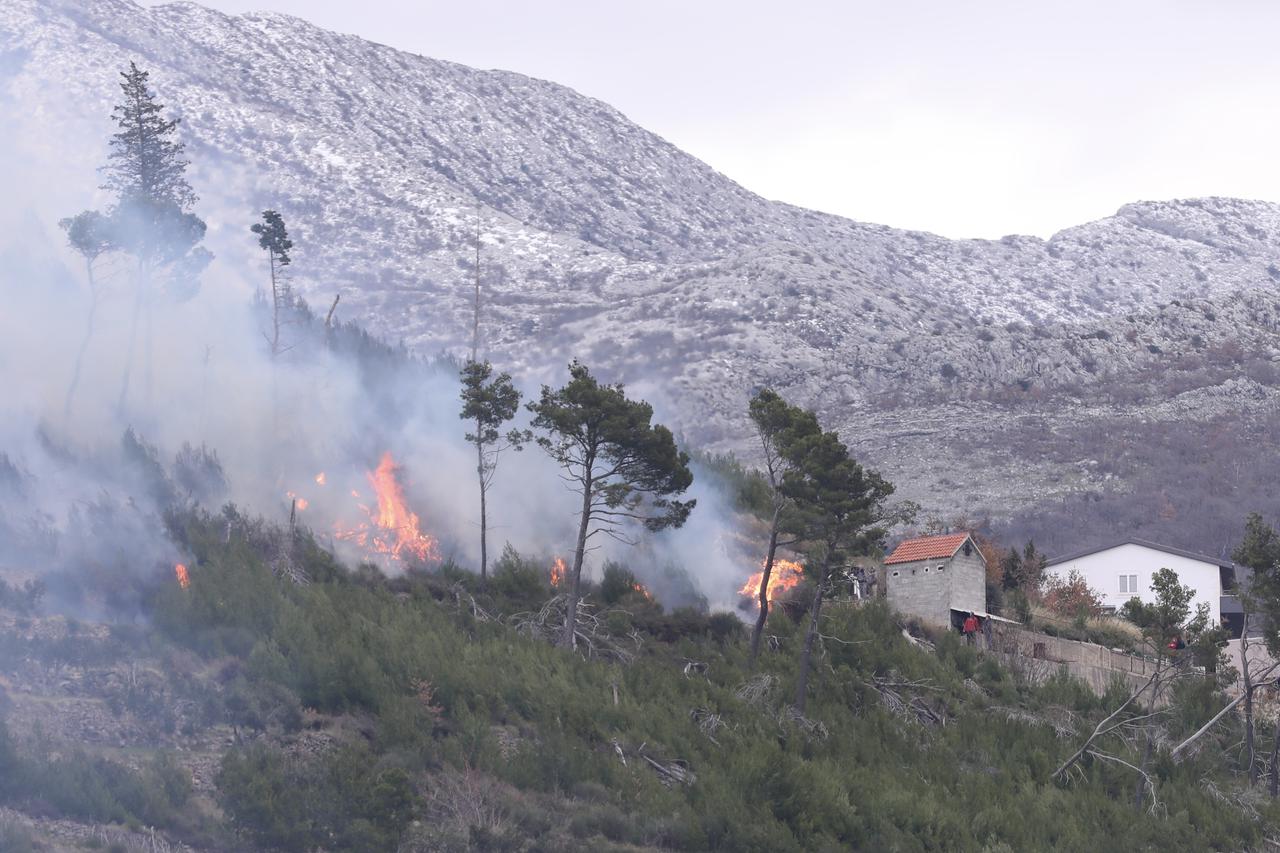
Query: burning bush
(620, 583)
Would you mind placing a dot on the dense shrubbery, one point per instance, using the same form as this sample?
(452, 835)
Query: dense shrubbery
(343, 801)
(447, 688)
(93, 788)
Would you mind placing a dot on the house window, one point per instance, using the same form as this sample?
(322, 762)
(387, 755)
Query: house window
(926, 570)
(895, 574)
(940, 568)
(1128, 583)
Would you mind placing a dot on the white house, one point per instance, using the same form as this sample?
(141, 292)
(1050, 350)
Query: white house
(1123, 571)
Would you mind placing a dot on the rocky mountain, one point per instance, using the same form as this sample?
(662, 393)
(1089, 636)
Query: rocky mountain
(973, 372)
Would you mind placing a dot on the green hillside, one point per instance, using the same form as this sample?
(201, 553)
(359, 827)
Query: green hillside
(418, 713)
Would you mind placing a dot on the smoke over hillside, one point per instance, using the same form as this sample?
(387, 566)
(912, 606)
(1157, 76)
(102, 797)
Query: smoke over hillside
(331, 432)
(602, 241)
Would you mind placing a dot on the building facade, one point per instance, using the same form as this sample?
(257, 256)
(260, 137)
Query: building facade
(938, 579)
(1123, 571)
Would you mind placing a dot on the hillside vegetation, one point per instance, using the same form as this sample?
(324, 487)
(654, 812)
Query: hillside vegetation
(417, 713)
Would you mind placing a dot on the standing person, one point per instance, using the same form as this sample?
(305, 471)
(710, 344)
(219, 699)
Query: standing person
(970, 629)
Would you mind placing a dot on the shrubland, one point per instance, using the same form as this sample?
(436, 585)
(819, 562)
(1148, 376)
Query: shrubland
(448, 727)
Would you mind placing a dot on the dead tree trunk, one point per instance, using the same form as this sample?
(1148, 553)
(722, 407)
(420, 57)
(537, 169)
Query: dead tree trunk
(579, 554)
(1144, 777)
(758, 631)
(1249, 737)
(275, 305)
(484, 519)
(1140, 787)
(1177, 750)
(328, 320)
(1104, 727)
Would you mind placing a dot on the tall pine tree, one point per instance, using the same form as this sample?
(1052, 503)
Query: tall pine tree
(152, 217)
(274, 238)
(779, 425)
(626, 469)
(489, 401)
(839, 513)
(146, 164)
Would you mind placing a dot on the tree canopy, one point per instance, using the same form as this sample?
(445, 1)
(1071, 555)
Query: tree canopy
(627, 469)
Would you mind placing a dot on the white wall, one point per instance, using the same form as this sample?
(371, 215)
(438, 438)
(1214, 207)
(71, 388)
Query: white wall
(1102, 570)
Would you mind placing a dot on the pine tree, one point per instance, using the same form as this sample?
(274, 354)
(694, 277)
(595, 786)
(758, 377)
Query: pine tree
(274, 238)
(626, 468)
(839, 513)
(490, 401)
(152, 217)
(146, 165)
(778, 425)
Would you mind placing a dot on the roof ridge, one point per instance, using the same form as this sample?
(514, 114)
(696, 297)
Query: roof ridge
(1145, 543)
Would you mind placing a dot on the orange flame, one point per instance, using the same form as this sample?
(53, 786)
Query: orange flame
(785, 575)
(184, 580)
(320, 479)
(557, 571)
(393, 530)
(643, 590)
(300, 503)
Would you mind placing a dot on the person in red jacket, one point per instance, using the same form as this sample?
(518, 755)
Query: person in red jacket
(970, 628)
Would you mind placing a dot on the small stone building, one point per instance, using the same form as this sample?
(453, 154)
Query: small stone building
(938, 579)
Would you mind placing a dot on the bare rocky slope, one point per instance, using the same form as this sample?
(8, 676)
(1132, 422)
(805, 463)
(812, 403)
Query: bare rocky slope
(982, 376)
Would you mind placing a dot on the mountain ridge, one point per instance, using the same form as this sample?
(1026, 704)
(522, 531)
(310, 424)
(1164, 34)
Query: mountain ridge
(603, 241)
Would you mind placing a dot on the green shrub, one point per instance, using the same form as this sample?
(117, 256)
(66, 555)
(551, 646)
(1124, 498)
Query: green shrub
(519, 579)
(342, 801)
(618, 583)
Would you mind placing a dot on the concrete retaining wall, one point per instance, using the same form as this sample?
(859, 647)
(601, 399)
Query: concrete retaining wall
(1041, 655)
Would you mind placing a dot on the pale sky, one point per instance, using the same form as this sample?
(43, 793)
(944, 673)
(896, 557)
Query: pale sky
(966, 118)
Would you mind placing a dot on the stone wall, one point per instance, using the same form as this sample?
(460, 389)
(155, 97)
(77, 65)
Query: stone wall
(1041, 656)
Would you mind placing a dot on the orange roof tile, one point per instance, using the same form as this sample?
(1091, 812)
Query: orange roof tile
(927, 548)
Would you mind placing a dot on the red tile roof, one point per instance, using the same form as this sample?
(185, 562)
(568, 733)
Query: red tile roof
(927, 548)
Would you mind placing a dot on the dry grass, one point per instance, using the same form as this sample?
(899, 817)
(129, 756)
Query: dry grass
(1106, 630)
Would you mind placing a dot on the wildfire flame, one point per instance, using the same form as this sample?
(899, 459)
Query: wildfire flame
(785, 575)
(184, 580)
(320, 479)
(557, 571)
(393, 529)
(643, 590)
(300, 503)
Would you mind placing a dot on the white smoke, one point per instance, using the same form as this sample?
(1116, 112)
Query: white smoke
(202, 374)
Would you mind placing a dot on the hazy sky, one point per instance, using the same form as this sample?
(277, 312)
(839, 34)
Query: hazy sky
(965, 118)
